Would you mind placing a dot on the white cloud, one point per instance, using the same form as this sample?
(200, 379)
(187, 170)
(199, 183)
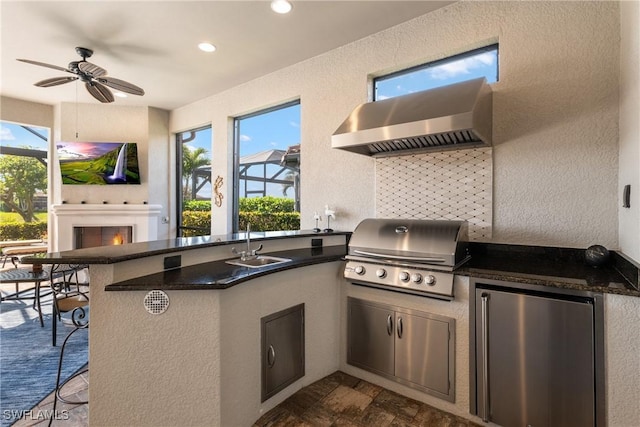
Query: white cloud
(245, 138)
(6, 135)
(461, 66)
(273, 144)
(294, 124)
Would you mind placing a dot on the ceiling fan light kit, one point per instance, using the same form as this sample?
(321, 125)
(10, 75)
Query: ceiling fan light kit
(94, 77)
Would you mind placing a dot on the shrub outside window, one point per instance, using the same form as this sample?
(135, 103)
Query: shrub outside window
(194, 182)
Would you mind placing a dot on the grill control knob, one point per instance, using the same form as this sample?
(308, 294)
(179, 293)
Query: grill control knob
(404, 276)
(359, 270)
(430, 280)
(381, 273)
(416, 277)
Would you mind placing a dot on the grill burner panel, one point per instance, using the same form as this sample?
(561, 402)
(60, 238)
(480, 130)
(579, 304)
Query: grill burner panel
(417, 281)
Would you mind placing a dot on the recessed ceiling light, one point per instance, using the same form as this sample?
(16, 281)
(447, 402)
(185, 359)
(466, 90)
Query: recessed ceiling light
(206, 47)
(120, 94)
(281, 6)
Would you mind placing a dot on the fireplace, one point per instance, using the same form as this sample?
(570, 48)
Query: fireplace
(141, 223)
(90, 237)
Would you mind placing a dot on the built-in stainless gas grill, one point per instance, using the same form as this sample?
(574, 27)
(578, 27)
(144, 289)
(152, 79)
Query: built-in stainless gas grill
(411, 256)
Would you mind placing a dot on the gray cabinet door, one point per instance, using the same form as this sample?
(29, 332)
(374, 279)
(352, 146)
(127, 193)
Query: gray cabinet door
(282, 349)
(370, 337)
(540, 354)
(422, 351)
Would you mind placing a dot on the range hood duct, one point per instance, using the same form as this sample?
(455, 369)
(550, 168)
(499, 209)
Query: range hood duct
(445, 118)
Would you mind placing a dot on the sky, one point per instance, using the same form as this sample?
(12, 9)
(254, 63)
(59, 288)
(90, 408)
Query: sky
(484, 64)
(13, 135)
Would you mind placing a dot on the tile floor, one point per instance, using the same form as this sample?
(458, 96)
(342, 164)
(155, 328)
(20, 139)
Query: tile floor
(66, 415)
(342, 400)
(336, 400)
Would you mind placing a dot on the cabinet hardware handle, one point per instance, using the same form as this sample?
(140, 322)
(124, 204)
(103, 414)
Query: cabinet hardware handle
(271, 356)
(389, 325)
(399, 327)
(485, 356)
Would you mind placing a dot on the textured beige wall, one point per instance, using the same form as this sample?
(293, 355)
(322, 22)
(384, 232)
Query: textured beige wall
(242, 307)
(623, 342)
(629, 233)
(622, 362)
(555, 115)
(26, 112)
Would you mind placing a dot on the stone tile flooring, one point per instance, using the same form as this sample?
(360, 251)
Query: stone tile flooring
(342, 400)
(66, 415)
(338, 400)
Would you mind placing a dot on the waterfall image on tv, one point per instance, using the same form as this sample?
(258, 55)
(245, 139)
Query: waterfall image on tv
(98, 163)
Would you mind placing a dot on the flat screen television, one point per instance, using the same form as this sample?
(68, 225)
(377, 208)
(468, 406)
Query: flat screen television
(98, 163)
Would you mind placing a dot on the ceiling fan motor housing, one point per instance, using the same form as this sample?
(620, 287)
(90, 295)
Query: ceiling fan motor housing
(84, 52)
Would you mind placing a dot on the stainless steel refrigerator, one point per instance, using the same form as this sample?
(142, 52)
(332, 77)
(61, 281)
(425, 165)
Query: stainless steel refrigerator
(536, 355)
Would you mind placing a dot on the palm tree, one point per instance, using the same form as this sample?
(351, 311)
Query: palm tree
(192, 160)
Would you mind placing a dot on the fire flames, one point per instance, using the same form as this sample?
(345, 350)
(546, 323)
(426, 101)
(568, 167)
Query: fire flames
(118, 239)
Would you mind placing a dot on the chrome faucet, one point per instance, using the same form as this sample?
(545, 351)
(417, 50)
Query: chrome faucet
(249, 253)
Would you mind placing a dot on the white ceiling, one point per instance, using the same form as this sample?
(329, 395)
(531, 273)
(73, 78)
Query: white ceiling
(152, 44)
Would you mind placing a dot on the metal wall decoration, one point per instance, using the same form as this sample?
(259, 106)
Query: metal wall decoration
(216, 189)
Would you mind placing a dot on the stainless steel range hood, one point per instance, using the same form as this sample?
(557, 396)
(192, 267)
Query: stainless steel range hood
(445, 118)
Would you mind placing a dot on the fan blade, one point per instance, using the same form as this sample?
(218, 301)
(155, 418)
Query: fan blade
(55, 81)
(121, 85)
(42, 64)
(99, 92)
(91, 69)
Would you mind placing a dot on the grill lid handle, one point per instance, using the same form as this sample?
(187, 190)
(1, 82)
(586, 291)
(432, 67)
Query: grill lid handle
(406, 258)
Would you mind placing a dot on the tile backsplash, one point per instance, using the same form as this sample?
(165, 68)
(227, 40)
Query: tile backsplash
(453, 185)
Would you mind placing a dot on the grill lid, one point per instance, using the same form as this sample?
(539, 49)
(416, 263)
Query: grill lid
(434, 242)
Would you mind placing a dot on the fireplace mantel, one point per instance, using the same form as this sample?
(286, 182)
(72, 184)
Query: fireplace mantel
(142, 218)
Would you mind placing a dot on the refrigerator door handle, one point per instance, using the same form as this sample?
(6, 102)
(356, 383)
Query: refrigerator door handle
(485, 356)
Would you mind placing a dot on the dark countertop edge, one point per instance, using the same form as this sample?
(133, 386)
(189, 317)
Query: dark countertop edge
(114, 254)
(554, 282)
(620, 275)
(299, 258)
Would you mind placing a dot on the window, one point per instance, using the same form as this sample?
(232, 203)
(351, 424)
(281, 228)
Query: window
(267, 169)
(193, 182)
(466, 66)
(23, 179)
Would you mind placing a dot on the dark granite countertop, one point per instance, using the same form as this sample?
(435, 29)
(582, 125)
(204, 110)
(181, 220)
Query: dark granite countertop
(119, 253)
(551, 266)
(220, 275)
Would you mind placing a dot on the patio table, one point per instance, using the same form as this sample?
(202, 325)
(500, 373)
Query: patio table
(21, 276)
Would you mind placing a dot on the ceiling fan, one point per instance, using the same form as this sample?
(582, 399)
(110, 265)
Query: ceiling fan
(94, 77)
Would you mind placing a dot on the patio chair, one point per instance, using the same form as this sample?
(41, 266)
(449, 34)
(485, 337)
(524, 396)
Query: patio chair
(13, 249)
(69, 294)
(80, 320)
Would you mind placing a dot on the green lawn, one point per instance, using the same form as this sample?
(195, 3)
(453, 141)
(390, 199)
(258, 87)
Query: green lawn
(6, 217)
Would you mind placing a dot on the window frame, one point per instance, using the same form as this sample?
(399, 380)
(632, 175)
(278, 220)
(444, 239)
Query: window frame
(438, 62)
(179, 194)
(236, 155)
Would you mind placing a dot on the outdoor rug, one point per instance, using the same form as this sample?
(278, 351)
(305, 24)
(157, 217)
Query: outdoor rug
(28, 361)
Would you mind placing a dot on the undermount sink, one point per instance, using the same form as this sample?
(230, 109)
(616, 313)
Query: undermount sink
(260, 261)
